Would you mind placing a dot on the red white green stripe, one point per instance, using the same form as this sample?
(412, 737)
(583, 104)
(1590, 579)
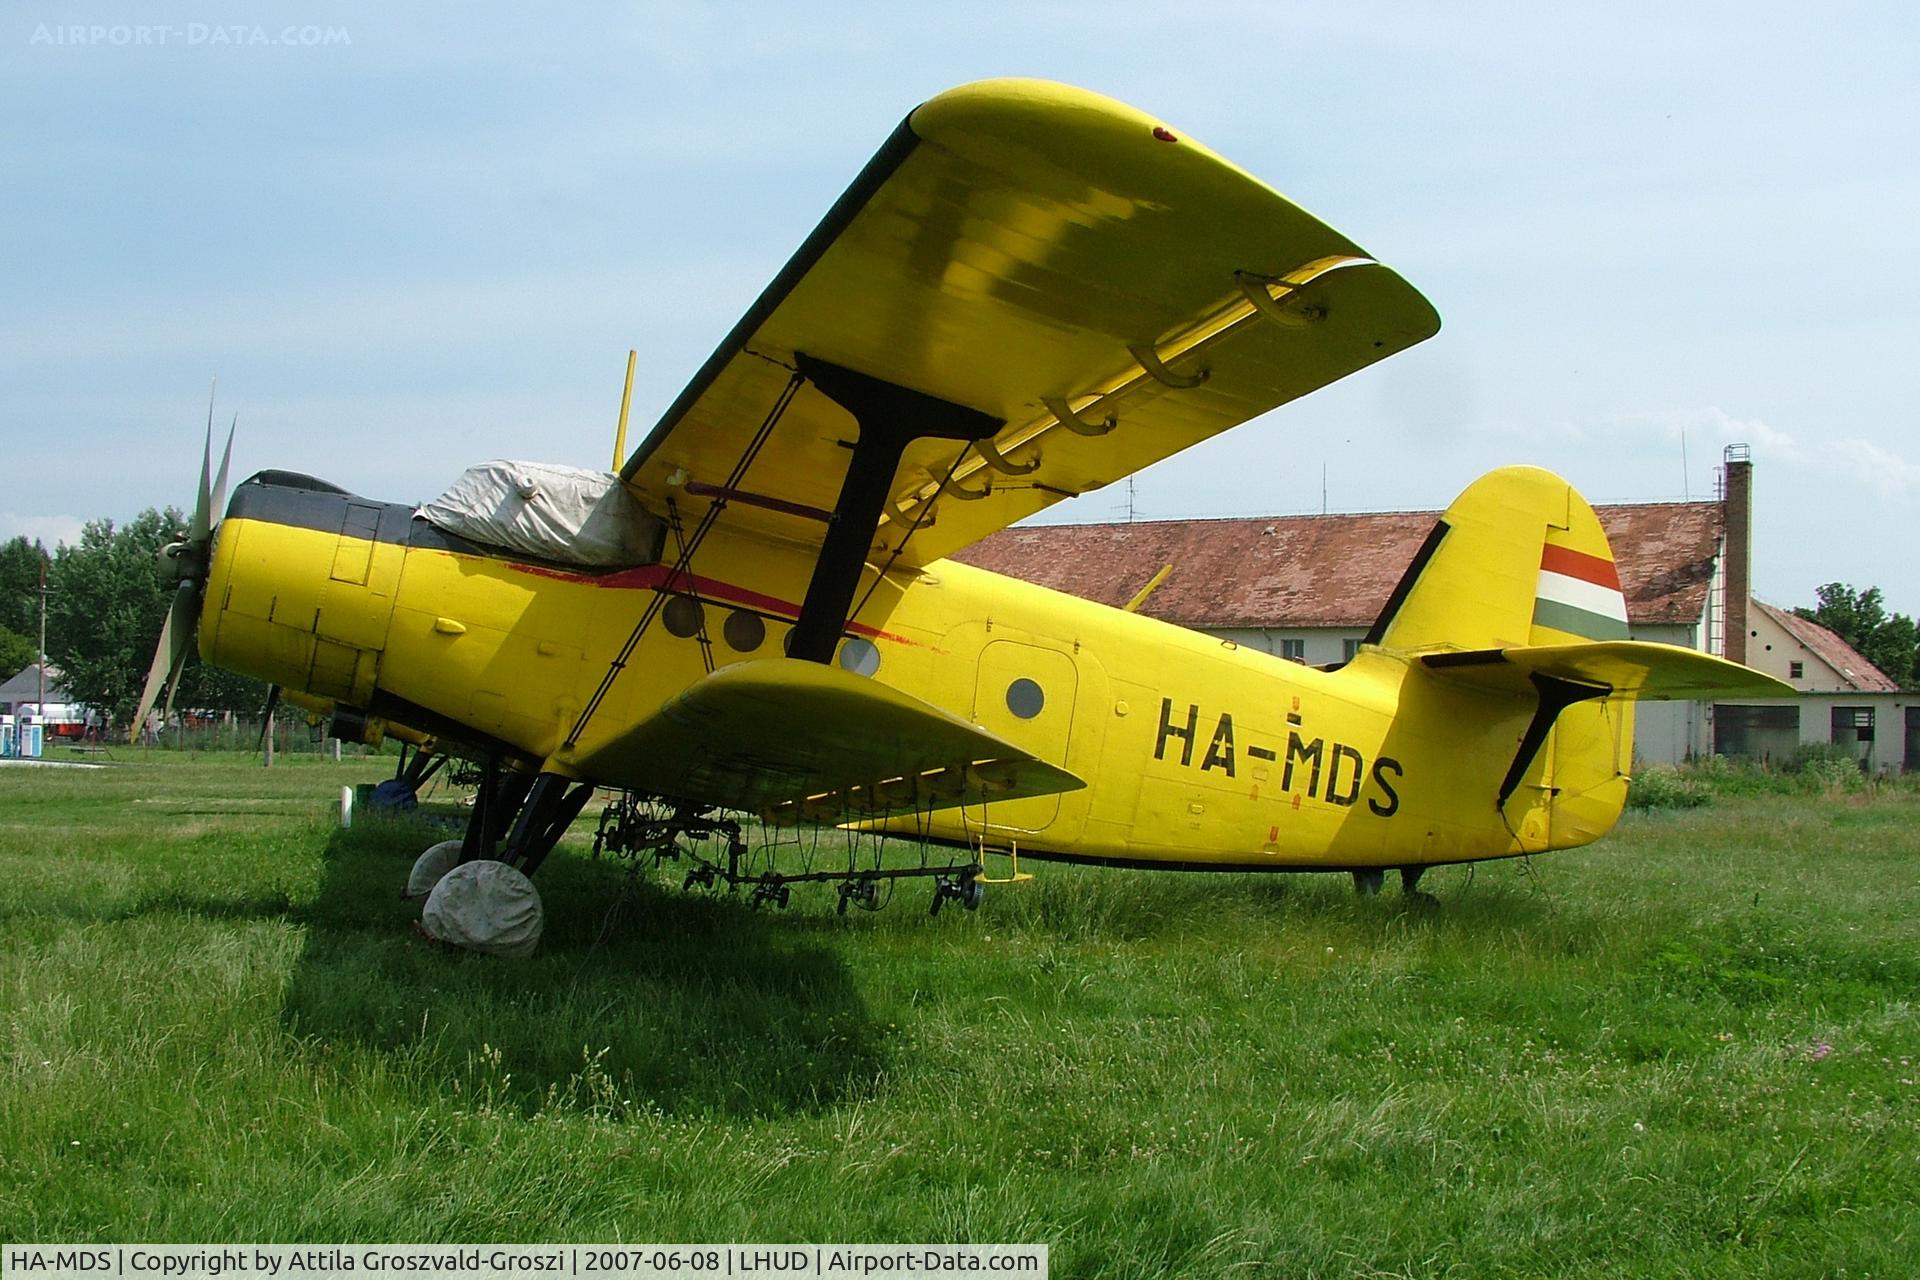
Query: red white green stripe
(1579, 594)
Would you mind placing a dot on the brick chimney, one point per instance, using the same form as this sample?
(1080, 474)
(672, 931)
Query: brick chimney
(1736, 515)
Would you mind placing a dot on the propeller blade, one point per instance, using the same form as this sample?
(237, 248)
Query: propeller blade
(183, 619)
(188, 563)
(219, 503)
(156, 676)
(266, 716)
(202, 519)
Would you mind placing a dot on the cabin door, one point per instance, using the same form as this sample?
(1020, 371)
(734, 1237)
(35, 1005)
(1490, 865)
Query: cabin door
(1025, 694)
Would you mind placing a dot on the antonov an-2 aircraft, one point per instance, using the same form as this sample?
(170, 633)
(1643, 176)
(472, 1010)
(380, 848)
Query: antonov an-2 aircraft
(1029, 292)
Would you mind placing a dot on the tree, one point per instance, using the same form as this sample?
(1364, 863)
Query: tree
(20, 562)
(104, 619)
(1890, 642)
(17, 653)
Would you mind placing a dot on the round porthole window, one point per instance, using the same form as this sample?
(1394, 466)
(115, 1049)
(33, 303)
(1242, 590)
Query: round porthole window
(683, 616)
(744, 631)
(859, 656)
(1025, 698)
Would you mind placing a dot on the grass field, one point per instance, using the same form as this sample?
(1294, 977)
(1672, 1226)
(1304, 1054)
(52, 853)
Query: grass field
(1688, 1051)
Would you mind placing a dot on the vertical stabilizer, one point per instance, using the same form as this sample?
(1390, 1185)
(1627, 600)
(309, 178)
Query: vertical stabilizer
(1518, 559)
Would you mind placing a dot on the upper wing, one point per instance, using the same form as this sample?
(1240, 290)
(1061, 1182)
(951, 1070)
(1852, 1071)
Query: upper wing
(1054, 261)
(799, 740)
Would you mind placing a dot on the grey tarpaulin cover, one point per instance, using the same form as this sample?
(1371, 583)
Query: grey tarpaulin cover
(430, 866)
(485, 906)
(569, 515)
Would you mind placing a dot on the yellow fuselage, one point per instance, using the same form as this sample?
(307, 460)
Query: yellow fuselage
(1197, 752)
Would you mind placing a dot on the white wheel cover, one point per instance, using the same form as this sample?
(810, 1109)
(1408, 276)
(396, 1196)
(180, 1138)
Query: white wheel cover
(485, 906)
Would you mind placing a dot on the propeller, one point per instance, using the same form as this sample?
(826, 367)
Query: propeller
(184, 562)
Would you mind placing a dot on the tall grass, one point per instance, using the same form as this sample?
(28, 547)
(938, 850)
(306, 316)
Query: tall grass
(1817, 770)
(1686, 1051)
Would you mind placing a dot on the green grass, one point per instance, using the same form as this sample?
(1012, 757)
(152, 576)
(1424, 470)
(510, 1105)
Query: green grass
(1688, 1051)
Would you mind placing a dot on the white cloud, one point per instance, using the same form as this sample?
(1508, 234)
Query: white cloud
(1887, 471)
(50, 531)
(1852, 458)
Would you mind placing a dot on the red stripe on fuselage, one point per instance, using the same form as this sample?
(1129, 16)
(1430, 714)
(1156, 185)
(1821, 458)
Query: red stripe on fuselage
(1578, 564)
(659, 577)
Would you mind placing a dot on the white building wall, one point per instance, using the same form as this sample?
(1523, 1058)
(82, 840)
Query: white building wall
(1318, 645)
(1887, 753)
(1672, 732)
(1773, 649)
(1667, 732)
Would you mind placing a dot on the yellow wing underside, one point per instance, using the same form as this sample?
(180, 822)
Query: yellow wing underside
(1050, 258)
(802, 741)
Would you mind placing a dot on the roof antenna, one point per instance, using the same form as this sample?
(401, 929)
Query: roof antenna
(1686, 489)
(1323, 486)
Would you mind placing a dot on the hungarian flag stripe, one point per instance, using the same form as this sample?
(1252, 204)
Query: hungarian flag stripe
(1580, 594)
(1578, 564)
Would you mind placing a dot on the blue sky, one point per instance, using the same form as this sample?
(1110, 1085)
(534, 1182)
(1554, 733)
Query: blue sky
(407, 240)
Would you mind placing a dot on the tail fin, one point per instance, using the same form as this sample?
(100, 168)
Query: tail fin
(1515, 594)
(1517, 587)
(1518, 559)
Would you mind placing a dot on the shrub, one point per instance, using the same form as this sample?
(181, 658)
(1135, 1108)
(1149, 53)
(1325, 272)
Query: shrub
(1660, 787)
(1823, 759)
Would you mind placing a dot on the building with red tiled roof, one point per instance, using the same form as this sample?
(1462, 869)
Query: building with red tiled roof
(1307, 587)
(1844, 698)
(1331, 573)
(1810, 657)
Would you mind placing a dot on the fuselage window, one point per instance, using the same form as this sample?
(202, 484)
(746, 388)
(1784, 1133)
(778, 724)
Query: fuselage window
(683, 616)
(1025, 698)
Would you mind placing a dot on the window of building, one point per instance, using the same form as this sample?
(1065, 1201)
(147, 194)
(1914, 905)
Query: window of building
(1349, 650)
(1796, 670)
(1756, 733)
(1853, 724)
(1294, 650)
(1853, 727)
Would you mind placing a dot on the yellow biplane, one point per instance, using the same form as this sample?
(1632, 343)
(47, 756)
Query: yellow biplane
(1028, 293)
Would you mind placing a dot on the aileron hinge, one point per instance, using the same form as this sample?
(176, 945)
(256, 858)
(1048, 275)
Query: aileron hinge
(1150, 361)
(1067, 417)
(1292, 310)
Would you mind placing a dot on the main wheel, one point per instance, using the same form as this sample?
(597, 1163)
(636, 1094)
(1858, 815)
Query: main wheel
(429, 867)
(485, 906)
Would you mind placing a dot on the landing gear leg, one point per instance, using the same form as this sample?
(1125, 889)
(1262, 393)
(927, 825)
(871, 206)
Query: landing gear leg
(1367, 883)
(551, 806)
(1409, 882)
(495, 805)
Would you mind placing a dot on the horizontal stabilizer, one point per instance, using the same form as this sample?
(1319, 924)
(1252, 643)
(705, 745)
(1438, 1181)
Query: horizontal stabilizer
(1619, 668)
(799, 741)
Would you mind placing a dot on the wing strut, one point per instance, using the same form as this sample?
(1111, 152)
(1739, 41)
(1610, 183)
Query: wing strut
(683, 565)
(891, 417)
